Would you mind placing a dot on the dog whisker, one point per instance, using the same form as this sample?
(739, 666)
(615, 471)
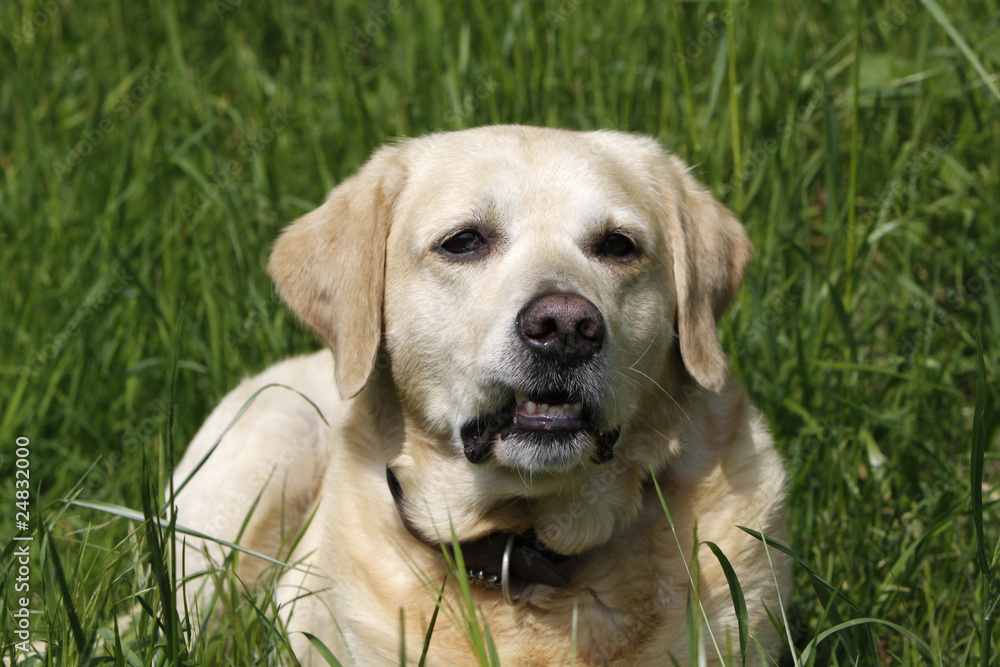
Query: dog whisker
(632, 367)
(665, 392)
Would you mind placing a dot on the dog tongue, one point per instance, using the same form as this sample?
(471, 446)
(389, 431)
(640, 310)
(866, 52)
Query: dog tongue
(532, 414)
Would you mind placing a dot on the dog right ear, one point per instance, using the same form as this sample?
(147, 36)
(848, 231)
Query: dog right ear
(711, 250)
(329, 266)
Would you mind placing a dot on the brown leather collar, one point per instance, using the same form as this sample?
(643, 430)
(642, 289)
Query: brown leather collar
(530, 560)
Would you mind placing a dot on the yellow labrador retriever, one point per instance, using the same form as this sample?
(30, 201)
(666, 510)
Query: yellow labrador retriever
(521, 326)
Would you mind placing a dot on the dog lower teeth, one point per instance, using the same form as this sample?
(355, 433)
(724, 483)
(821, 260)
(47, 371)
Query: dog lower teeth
(561, 410)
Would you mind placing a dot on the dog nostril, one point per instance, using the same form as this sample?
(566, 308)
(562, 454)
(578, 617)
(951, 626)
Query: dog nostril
(566, 326)
(591, 330)
(540, 328)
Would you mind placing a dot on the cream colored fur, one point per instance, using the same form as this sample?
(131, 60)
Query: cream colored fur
(420, 345)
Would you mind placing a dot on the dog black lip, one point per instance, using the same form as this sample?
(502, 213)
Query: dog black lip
(606, 447)
(479, 434)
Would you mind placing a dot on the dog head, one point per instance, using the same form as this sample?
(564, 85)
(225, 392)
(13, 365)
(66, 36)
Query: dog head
(542, 295)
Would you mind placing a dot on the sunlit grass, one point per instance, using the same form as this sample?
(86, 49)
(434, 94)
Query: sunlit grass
(152, 152)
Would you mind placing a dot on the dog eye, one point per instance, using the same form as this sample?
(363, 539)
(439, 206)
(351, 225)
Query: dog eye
(465, 244)
(617, 246)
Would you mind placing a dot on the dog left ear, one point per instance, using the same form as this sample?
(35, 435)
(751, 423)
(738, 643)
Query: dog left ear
(710, 252)
(709, 249)
(329, 266)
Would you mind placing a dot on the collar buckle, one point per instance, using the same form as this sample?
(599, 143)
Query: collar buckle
(512, 600)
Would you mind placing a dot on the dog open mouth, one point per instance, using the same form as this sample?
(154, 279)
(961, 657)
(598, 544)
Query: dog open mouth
(538, 430)
(547, 413)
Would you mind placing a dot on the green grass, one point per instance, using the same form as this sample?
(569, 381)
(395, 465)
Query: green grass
(152, 151)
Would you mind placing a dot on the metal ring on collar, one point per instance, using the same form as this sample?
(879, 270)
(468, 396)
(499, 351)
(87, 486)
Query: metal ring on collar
(505, 575)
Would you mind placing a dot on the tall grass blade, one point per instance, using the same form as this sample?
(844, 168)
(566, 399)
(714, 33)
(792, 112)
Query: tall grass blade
(825, 591)
(990, 594)
(573, 636)
(852, 191)
(155, 543)
(232, 422)
(456, 562)
(138, 517)
(976, 469)
(935, 9)
(739, 603)
(922, 647)
(322, 649)
(79, 638)
(781, 607)
(734, 110)
(691, 577)
(430, 626)
(685, 81)
(839, 309)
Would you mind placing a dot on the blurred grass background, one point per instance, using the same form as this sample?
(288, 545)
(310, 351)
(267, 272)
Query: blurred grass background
(151, 152)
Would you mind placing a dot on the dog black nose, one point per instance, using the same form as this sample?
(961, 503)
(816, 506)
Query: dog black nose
(565, 326)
